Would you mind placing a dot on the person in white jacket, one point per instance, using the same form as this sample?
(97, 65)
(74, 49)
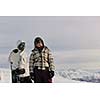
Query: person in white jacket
(19, 64)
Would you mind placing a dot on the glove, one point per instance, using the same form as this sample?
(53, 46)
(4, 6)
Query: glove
(11, 63)
(20, 71)
(32, 76)
(51, 74)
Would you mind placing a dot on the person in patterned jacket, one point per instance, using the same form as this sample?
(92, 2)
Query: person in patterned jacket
(41, 63)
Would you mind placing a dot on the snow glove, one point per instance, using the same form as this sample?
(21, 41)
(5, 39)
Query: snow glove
(32, 76)
(51, 74)
(20, 71)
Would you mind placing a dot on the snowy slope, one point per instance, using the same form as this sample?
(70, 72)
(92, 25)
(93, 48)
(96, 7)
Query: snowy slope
(59, 79)
(5, 75)
(77, 75)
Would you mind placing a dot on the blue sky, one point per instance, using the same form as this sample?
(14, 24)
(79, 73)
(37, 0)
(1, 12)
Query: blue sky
(59, 33)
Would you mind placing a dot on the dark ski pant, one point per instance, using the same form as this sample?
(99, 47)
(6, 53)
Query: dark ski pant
(25, 79)
(41, 76)
(17, 79)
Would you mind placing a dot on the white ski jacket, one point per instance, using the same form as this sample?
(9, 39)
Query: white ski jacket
(19, 60)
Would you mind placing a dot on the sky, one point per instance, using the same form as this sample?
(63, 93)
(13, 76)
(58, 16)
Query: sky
(58, 32)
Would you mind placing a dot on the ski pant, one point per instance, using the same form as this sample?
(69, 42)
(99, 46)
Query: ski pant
(41, 76)
(17, 79)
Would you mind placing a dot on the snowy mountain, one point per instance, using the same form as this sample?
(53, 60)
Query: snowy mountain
(78, 75)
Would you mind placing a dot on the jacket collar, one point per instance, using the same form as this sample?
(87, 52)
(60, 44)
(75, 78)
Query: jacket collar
(21, 53)
(35, 49)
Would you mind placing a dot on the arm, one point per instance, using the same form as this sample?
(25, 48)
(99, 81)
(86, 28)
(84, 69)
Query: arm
(51, 61)
(51, 65)
(10, 58)
(31, 61)
(12, 54)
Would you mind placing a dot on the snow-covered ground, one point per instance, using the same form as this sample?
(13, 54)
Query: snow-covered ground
(5, 75)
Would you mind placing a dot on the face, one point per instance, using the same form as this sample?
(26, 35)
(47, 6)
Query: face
(21, 46)
(39, 44)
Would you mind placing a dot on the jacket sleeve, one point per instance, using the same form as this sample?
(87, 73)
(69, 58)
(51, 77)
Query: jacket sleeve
(10, 57)
(31, 61)
(51, 61)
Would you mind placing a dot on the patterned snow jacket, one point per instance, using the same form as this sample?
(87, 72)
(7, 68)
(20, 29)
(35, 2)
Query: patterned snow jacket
(41, 60)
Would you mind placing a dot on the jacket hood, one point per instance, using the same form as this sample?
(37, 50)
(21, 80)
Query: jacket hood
(19, 42)
(37, 40)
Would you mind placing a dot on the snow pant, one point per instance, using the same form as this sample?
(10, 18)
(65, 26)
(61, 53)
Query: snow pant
(41, 76)
(15, 78)
(26, 79)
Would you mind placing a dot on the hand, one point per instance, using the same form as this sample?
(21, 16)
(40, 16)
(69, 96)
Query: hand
(51, 74)
(11, 63)
(20, 71)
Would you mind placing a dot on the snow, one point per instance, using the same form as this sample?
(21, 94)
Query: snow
(77, 75)
(60, 79)
(5, 75)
